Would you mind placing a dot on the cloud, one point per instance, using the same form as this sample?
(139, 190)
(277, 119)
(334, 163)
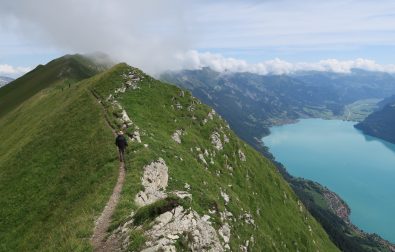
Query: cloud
(196, 60)
(157, 35)
(9, 70)
(146, 34)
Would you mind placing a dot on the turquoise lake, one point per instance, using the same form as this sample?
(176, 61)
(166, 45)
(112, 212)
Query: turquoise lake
(360, 168)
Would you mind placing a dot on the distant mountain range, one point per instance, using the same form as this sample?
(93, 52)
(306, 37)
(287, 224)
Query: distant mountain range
(252, 103)
(190, 182)
(5, 80)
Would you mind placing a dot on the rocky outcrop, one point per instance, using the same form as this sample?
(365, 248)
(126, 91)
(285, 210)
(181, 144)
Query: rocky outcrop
(224, 232)
(131, 81)
(211, 114)
(242, 156)
(216, 140)
(154, 180)
(136, 136)
(225, 197)
(247, 218)
(126, 119)
(226, 139)
(201, 158)
(178, 223)
(170, 226)
(177, 136)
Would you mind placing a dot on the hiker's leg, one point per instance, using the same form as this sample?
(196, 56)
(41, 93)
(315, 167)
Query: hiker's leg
(123, 155)
(120, 154)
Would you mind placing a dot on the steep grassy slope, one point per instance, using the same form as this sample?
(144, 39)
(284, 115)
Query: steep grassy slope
(380, 123)
(62, 71)
(251, 103)
(57, 167)
(255, 189)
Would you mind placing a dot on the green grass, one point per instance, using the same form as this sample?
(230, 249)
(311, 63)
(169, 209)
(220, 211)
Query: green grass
(58, 166)
(57, 169)
(137, 240)
(360, 109)
(279, 226)
(60, 72)
(150, 212)
(182, 243)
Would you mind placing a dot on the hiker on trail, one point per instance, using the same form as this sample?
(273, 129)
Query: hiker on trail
(121, 143)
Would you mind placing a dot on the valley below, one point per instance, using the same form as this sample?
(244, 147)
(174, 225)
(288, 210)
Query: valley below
(356, 166)
(201, 126)
(193, 144)
(254, 105)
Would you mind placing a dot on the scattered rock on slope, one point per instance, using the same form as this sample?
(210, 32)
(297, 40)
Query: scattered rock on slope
(242, 156)
(216, 140)
(171, 225)
(154, 180)
(177, 136)
(174, 224)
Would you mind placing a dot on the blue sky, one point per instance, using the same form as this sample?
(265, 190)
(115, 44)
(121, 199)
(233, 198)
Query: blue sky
(240, 35)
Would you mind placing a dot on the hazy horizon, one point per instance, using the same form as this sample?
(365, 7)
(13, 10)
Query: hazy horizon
(255, 36)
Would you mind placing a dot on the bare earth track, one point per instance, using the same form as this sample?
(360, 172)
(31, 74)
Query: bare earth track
(99, 241)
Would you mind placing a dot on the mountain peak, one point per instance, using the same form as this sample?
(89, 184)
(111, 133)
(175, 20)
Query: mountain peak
(62, 71)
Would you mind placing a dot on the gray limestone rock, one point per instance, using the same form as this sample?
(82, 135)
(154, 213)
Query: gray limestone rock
(180, 222)
(177, 136)
(242, 156)
(154, 180)
(216, 140)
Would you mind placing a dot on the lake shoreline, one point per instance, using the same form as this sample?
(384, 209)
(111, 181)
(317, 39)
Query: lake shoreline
(332, 199)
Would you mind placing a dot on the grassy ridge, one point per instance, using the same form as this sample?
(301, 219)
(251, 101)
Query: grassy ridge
(63, 71)
(58, 166)
(254, 186)
(57, 169)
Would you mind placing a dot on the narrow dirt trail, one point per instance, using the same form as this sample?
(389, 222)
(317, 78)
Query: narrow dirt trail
(99, 241)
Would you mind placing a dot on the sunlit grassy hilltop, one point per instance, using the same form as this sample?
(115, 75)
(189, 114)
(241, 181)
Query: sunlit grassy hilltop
(58, 165)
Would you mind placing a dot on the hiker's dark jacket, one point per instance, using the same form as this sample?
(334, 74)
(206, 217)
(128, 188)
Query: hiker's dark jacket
(121, 142)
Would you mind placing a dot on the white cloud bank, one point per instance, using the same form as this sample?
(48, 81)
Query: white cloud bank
(195, 60)
(158, 35)
(9, 70)
(146, 34)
